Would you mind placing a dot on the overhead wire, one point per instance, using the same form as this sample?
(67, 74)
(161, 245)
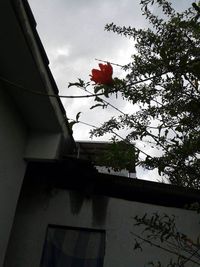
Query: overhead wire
(61, 96)
(44, 94)
(116, 134)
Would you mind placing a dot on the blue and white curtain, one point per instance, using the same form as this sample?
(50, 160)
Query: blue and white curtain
(65, 247)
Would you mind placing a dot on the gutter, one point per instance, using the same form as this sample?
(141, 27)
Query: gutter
(23, 13)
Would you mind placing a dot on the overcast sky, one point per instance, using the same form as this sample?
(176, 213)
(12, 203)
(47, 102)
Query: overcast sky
(72, 32)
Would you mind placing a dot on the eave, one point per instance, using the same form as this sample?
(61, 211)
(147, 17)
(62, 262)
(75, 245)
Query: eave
(81, 176)
(24, 70)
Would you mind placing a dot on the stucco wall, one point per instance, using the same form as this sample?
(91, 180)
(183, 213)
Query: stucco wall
(39, 207)
(12, 165)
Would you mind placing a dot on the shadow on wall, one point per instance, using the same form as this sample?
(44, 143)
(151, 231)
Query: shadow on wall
(99, 205)
(99, 209)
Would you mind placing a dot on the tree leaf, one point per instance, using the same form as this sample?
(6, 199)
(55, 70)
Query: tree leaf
(78, 116)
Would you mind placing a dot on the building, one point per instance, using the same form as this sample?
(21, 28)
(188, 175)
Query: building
(32, 125)
(96, 151)
(68, 214)
(55, 207)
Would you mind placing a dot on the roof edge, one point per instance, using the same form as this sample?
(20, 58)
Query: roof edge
(18, 5)
(79, 175)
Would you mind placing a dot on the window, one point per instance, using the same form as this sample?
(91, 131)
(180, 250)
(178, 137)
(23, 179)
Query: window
(73, 247)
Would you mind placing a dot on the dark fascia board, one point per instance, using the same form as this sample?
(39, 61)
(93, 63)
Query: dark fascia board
(40, 46)
(33, 25)
(81, 176)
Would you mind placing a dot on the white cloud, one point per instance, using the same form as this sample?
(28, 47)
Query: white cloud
(73, 35)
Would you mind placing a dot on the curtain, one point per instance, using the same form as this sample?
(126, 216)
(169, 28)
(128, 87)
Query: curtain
(65, 247)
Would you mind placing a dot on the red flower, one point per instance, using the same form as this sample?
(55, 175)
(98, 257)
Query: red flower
(104, 75)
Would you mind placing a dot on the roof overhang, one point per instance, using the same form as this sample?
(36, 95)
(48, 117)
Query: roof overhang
(81, 176)
(24, 70)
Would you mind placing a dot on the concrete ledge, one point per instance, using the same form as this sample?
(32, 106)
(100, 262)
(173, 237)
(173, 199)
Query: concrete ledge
(79, 175)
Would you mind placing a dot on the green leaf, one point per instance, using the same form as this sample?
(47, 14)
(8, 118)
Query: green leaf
(97, 88)
(81, 84)
(97, 105)
(137, 245)
(71, 124)
(98, 99)
(78, 116)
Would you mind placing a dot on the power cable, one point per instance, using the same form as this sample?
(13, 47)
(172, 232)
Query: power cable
(44, 94)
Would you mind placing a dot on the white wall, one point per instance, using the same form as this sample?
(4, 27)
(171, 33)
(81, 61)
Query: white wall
(37, 209)
(12, 165)
(43, 145)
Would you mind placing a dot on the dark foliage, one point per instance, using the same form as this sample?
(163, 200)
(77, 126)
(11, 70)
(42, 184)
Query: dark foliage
(163, 81)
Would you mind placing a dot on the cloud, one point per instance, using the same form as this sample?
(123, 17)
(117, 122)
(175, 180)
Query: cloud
(73, 35)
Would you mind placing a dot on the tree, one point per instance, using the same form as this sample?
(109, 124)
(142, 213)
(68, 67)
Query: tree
(163, 81)
(160, 231)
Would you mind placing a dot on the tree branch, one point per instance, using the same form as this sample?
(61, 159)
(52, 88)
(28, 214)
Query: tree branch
(165, 249)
